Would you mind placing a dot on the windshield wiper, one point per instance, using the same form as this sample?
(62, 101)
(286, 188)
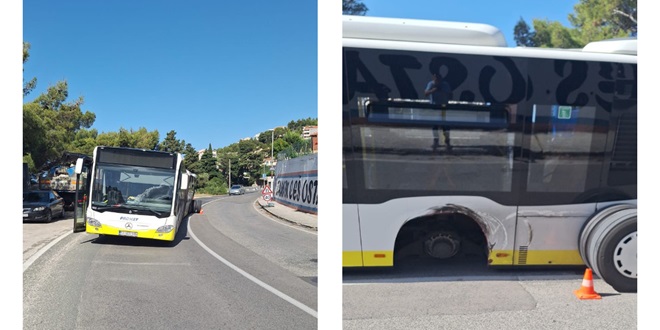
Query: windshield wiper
(144, 208)
(127, 207)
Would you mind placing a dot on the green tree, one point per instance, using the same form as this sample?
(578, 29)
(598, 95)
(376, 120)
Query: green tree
(84, 142)
(128, 138)
(50, 123)
(553, 34)
(30, 85)
(604, 19)
(171, 143)
(190, 158)
(354, 7)
(593, 20)
(298, 125)
(292, 137)
(251, 155)
(279, 146)
(209, 164)
(522, 34)
(215, 186)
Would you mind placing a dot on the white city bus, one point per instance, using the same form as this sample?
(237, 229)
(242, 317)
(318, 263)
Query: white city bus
(529, 155)
(139, 193)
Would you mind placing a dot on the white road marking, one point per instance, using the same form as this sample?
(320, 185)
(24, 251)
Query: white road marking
(247, 275)
(43, 250)
(142, 263)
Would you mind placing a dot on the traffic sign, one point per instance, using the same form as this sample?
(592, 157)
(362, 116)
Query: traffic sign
(267, 193)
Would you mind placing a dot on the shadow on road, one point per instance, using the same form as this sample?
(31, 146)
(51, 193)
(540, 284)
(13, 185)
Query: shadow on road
(473, 268)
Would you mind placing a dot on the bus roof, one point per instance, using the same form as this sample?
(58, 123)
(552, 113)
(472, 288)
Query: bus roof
(626, 46)
(415, 30)
(456, 37)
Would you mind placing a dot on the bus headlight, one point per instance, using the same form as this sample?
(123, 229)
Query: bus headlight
(93, 222)
(165, 229)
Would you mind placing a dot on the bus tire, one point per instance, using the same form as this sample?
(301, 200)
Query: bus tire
(588, 229)
(198, 205)
(617, 256)
(612, 230)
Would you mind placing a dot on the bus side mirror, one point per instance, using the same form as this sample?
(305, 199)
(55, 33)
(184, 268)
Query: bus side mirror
(79, 165)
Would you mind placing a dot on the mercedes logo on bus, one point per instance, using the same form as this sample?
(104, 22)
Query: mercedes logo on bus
(128, 225)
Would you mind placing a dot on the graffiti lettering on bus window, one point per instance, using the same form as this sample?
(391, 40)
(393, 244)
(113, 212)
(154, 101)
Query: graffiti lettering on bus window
(575, 74)
(456, 74)
(369, 85)
(627, 87)
(398, 65)
(401, 68)
(495, 79)
(517, 83)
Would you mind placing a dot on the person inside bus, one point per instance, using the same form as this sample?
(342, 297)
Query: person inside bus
(113, 196)
(438, 91)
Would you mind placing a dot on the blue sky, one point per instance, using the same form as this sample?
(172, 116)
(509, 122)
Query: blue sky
(503, 14)
(213, 71)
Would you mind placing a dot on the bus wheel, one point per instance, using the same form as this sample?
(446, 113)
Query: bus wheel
(609, 247)
(617, 257)
(442, 244)
(198, 205)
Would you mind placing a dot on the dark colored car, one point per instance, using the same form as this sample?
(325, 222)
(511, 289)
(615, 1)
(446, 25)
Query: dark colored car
(42, 205)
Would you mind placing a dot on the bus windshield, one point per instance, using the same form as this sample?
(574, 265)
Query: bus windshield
(121, 187)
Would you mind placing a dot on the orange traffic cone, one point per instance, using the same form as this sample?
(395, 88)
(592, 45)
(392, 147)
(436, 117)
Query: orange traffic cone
(586, 291)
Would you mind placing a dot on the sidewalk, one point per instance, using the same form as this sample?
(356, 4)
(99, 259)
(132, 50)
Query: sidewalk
(289, 214)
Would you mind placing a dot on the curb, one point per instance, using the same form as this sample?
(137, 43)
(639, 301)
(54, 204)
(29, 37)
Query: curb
(282, 218)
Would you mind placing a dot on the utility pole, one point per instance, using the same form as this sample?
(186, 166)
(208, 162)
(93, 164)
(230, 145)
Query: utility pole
(229, 177)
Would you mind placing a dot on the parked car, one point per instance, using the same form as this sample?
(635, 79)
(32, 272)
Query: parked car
(236, 189)
(42, 205)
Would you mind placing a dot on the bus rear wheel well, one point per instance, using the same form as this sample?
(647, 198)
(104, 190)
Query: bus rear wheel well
(441, 237)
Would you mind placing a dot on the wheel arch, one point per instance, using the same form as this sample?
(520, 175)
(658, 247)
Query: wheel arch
(452, 217)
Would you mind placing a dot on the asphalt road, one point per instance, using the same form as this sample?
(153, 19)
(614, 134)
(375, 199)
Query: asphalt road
(229, 268)
(468, 295)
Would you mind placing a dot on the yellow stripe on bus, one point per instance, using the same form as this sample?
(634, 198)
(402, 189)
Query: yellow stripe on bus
(352, 259)
(535, 257)
(553, 257)
(114, 231)
(368, 258)
(497, 257)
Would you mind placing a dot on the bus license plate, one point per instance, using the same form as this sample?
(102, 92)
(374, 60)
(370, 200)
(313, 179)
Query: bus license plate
(128, 233)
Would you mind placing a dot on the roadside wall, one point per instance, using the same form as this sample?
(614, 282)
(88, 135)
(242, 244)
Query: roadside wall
(296, 183)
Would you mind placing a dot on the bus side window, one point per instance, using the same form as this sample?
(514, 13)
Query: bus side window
(561, 148)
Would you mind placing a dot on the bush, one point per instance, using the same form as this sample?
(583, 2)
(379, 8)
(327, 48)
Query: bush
(215, 186)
